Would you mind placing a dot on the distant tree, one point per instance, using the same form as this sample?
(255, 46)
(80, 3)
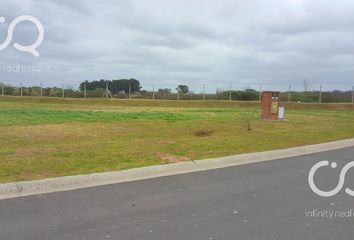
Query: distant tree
(184, 89)
(115, 86)
(121, 85)
(245, 95)
(93, 85)
(9, 90)
(164, 90)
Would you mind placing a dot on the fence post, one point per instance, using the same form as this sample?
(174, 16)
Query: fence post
(107, 90)
(62, 90)
(204, 92)
(85, 90)
(41, 90)
(153, 92)
(260, 92)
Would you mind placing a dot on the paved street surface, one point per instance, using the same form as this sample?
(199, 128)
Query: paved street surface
(268, 200)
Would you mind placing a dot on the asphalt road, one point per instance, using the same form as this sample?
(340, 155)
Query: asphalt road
(269, 200)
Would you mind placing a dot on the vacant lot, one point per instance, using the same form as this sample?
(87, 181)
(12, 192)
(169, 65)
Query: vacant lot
(53, 137)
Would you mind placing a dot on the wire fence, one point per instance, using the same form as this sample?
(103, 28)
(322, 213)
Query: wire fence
(248, 94)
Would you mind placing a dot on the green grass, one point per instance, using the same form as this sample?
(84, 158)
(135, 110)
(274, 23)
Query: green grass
(42, 138)
(44, 116)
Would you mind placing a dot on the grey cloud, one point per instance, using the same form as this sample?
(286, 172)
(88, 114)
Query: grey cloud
(273, 42)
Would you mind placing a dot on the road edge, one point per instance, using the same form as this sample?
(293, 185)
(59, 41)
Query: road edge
(27, 188)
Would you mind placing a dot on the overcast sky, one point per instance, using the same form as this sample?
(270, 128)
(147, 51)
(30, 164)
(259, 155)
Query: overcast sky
(168, 42)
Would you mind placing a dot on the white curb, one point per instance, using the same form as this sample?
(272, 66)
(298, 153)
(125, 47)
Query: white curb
(20, 189)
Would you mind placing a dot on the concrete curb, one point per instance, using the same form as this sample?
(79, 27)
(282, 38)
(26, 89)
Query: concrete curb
(20, 189)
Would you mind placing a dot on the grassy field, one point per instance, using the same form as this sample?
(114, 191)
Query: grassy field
(42, 137)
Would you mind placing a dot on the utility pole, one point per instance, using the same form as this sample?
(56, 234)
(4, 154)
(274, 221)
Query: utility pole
(230, 93)
(130, 91)
(41, 92)
(153, 92)
(21, 90)
(320, 98)
(353, 95)
(289, 94)
(260, 92)
(2, 89)
(178, 95)
(204, 92)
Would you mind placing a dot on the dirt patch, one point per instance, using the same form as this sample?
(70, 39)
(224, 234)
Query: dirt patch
(203, 133)
(172, 159)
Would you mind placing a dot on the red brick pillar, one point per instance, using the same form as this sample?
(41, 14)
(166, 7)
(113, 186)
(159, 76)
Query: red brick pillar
(270, 105)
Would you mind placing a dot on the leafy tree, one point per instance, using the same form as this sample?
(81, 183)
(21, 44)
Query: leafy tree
(115, 86)
(164, 90)
(123, 85)
(184, 89)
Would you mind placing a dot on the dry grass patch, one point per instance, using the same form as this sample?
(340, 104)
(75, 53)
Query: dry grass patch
(167, 158)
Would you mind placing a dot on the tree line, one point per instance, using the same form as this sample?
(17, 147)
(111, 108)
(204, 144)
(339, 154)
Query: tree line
(115, 86)
(124, 88)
